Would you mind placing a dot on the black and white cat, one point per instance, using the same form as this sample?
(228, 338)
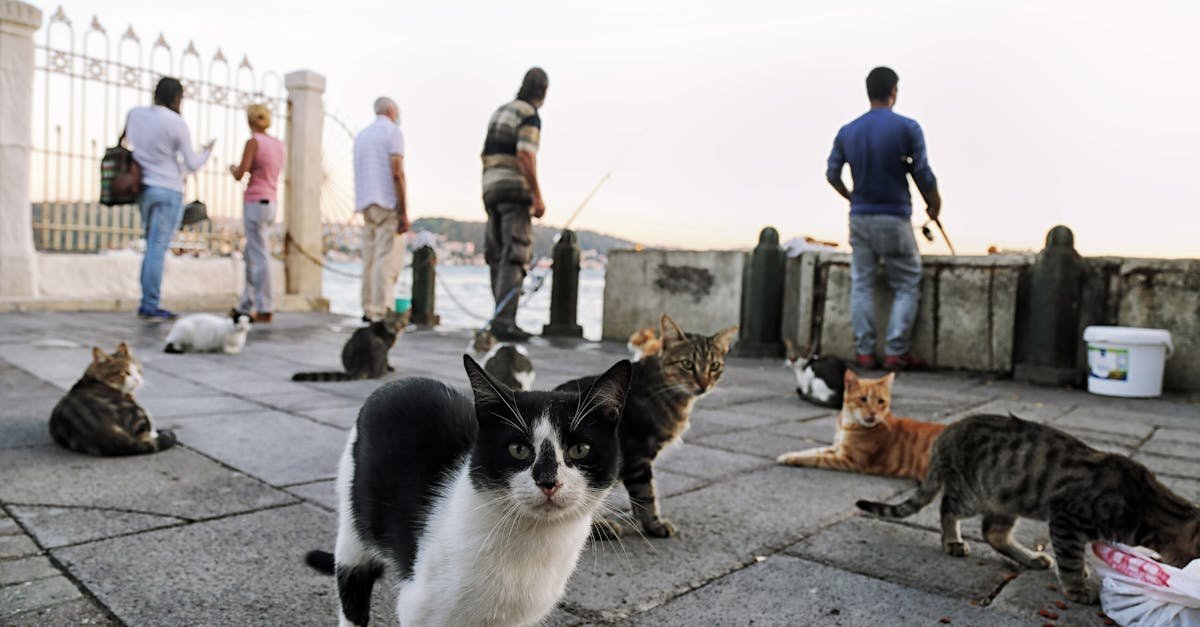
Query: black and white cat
(481, 508)
(819, 380)
(505, 361)
(208, 333)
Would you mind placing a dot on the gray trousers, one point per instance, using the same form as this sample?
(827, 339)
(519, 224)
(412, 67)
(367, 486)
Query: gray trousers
(507, 247)
(257, 217)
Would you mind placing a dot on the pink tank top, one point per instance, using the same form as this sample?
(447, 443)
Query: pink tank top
(264, 172)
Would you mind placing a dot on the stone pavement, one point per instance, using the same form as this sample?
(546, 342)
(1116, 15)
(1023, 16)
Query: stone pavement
(213, 531)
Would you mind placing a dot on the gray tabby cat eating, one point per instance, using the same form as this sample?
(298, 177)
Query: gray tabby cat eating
(481, 508)
(1004, 467)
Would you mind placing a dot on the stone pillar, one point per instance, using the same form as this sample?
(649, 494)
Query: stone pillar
(18, 261)
(302, 220)
(762, 299)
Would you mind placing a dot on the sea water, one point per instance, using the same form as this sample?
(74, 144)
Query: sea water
(463, 297)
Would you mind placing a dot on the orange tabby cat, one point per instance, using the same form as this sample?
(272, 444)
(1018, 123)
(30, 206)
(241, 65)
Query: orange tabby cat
(644, 343)
(869, 438)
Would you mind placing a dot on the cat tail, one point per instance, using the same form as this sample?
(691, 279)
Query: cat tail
(924, 495)
(320, 561)
(172, 348)
(323, 376)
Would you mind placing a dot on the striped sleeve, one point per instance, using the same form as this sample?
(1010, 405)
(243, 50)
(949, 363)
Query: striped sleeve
(529, 134)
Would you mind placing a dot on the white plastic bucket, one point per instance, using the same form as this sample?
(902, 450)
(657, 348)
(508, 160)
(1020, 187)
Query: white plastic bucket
(1126, 361)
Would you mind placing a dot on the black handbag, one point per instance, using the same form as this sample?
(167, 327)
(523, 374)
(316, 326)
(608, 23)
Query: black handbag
(120, 176)
(194, 212)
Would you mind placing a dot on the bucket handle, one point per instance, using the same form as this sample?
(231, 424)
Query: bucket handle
(1170, 347)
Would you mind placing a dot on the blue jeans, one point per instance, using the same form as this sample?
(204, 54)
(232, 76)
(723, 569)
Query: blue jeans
(257, 217)
(162, 211)
(887, 238)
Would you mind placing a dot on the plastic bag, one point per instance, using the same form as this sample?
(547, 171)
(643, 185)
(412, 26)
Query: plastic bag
(1137, 590)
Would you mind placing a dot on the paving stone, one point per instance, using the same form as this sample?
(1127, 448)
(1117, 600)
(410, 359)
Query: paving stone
(319, 493)
(340, 417)
(1032, 411)
(905, 555)
(723, 397)
(1176, 466)
(17, 546)
(25, 420)
(25, 569)
(275, 447)
(666, 483)
(15, 600)
(722, 528)
(709, 421)
(246, 569)
(757, 442)
(778, 408)
(1187, 488)
(8, 526)
(1178, 435)
(59, 526)
(817, 430)
(1159, 446)
(1093, 419)
(704, 462)
(1031, 591)
(304, 401)
(188, 406)
(161, 384)
(75, 612)
(175, 482)
(790, 591)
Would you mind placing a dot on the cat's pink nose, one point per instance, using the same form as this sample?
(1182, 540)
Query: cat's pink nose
(550, 490)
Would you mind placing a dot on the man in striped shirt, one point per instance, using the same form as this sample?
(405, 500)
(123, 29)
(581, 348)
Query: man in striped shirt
(512, 197)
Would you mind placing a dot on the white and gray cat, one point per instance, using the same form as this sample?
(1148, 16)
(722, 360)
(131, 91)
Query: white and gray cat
(480, 507)
(507, 362)
(819, 380)
(208, 333)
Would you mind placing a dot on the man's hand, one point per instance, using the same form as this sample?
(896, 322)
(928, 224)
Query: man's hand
(210, 144)
(933, 212)
(539, 207)
(402, 223)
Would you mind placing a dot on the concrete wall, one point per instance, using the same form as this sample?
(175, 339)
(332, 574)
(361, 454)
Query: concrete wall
(110, 282)
(966, 317)
(701, 290)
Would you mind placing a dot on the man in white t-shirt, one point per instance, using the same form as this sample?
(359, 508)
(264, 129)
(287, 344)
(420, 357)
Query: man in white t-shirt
(379, 193)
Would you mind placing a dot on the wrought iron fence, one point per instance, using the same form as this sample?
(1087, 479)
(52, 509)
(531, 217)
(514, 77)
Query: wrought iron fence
(85, 85)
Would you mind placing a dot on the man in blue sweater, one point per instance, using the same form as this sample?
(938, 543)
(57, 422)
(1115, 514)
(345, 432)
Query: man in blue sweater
(883, 149)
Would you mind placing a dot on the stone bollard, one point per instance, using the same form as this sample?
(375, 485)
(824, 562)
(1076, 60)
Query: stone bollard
(762, 299)
(423, 287)
(1050, 329)
(564, 290)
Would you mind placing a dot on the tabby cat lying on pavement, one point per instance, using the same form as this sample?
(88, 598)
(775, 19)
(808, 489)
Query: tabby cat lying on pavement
(99, 415)
(1004, 467)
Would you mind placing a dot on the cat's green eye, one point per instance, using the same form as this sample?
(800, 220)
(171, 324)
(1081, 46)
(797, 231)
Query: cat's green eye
(715, 366)
(579, 451)
(687, 364)
(519, 451)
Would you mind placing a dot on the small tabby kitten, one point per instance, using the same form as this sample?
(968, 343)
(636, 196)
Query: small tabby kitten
(819, 380)
(480, 508)
(365, 354)
(869, 438)
(206, 333)
(509, 363)
(1004, 467)
(99, 415)
(665, 387)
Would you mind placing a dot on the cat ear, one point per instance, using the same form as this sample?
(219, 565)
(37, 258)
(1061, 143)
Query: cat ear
(122, 349)
(891, 376)
(488, 391)
(670, 331)
(98, 355)
(789, 351)
(851, 379)
(723, 339)
(606, 398)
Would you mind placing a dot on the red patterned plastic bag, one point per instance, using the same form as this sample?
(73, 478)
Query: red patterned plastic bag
(1138, 590)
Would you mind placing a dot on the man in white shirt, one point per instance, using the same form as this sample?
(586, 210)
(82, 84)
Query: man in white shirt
(379, 193)
(162, 147)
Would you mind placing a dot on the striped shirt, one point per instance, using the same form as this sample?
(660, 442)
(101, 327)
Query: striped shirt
(514, 127)
(373, 150)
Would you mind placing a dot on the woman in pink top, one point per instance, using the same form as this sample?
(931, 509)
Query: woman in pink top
(262, 158)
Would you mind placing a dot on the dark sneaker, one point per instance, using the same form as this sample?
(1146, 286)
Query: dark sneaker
(907, 361)
(157, 314)
(866, 361)
(263, 317)
(510, 333)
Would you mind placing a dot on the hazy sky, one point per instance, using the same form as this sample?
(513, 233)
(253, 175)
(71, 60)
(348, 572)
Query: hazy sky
(719, 116)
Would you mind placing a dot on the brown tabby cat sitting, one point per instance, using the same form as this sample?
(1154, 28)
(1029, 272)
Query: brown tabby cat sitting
(99, 415)
(1004, 467)
(869, 438)
(665, 386)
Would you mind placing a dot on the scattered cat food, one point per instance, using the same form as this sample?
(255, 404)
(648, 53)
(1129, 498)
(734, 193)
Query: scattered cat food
(760, 558)
(945, 620)
(1051, 586)
(973, 602)
(1010, 576)
(1044, 613)
(1062, 605)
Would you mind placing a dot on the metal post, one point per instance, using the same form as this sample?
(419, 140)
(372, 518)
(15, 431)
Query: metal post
(564, 291)
(18, 261)
(762, 299)
(1049, 331)
(423, 288)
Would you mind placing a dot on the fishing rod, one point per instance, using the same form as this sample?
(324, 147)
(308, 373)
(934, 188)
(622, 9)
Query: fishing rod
(536, 279)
